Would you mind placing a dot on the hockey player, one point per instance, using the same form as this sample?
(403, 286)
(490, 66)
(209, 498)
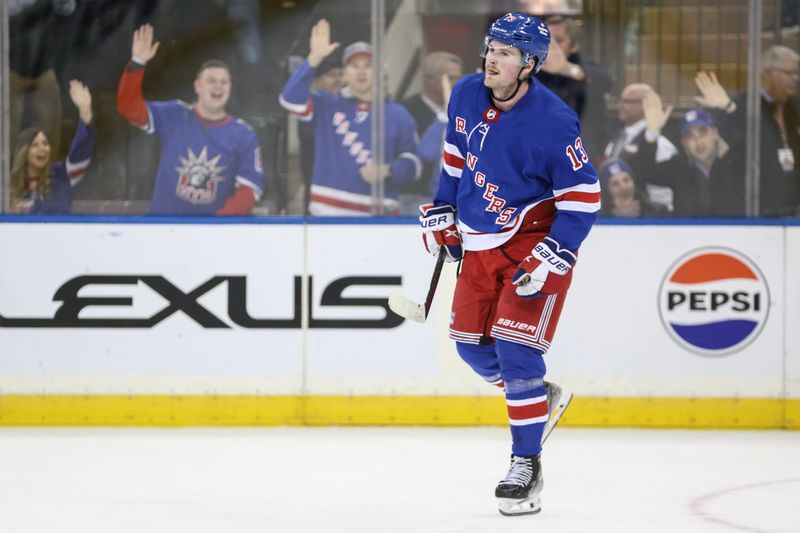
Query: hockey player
(210, 161)
(37, 184)
(516, 197)
(341, 181)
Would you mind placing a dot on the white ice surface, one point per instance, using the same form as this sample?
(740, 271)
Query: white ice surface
(355, 480)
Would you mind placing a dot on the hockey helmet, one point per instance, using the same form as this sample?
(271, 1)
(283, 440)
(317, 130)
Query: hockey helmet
(529, 34)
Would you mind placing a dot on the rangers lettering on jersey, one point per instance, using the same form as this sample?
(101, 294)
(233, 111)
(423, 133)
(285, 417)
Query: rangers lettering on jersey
(510, 178)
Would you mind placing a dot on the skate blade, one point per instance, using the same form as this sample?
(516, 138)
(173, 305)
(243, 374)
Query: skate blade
(561, 406)
(509, 507)
(555, 413)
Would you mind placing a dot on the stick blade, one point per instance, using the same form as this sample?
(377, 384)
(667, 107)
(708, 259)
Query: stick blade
(406, 308)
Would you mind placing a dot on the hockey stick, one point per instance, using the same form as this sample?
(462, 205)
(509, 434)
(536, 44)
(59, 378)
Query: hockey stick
(411, 310)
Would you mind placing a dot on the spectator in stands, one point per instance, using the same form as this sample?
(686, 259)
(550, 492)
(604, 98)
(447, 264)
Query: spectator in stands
(706, 178)
(328, 77)
(636, 131)
(344, 170)
(431, 145)
(582, 84)
(779, 185)
(210, 161)
(622, 195)
(41, 186)
(429, 109)
(714, 170)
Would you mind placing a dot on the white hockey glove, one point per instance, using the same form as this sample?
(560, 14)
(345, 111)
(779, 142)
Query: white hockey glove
(545, 271)
(439, 228)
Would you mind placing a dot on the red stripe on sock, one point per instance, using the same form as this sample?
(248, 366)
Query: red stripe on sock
(523, 412)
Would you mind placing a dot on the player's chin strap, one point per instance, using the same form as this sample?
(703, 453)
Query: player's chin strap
(519, 84)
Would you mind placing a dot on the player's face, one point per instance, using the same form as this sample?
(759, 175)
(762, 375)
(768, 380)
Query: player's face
(39, 152)
(213, 88)
(502, 67)
(358, 74)
(700, 142)
(620, 186)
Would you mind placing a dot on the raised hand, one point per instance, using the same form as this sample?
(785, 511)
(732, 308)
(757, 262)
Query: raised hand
(82, 99)
(556, 63)
(320, 45)
(713, 94)
(655, 115)
(143, 47)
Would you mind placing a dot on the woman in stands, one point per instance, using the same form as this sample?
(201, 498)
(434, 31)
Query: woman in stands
(39, 185)
(623, 195)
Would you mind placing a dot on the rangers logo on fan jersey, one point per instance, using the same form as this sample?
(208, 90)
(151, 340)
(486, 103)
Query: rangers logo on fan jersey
(199, 178)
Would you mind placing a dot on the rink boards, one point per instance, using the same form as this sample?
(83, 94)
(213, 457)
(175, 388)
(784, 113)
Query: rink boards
(126, 322)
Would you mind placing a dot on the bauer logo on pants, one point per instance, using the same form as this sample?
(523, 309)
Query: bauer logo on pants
(714, 301)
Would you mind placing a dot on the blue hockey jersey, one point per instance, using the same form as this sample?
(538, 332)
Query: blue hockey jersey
(202, 161)
(343, 144)
(502, 170)
(67, 174)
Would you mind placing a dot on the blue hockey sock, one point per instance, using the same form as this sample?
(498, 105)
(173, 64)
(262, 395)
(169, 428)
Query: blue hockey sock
(527, 415)
(526, 395)
(483, 360)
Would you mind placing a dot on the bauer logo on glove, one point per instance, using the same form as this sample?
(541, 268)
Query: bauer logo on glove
(439, 228)
(556, 263)
(546, 271)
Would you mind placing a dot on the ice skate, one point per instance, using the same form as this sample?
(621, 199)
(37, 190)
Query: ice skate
(557, 402)
(518, 493)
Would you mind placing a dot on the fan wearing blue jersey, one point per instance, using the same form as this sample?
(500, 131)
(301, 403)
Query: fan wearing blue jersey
(344, 171)
(516, 198)
(39, 185)
(210, 161)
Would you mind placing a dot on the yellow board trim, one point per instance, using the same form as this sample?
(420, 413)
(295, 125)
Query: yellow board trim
(174, 411)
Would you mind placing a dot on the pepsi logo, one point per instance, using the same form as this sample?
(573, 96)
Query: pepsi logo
(714, 301)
